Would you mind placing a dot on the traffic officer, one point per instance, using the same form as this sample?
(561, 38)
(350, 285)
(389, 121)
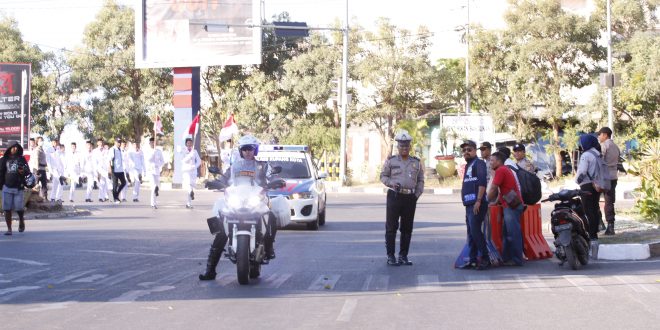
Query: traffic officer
(403, 174)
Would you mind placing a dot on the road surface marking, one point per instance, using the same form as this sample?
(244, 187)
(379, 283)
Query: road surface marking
(637, 284)
(133, 295)
(584, 283)
(23, 273)
(376, 283)
(128, 253)
(17, 289)
(274, 281)
(479, 282)
(226, 279)
(117, 278)
(347, 310)
(90, 279)
(428, 282)
(27, 262)
(532, 283)
(324, 282)
(66, 278)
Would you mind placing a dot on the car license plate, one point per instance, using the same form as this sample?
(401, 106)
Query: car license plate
(565, 226)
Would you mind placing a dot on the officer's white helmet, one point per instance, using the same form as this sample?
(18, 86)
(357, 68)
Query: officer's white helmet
(248, 141)
(403, 136)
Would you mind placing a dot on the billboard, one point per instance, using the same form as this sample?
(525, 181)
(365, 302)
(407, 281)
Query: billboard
(14, 103)
(178, 33)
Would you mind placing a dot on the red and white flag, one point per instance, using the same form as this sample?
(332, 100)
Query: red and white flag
(192, 129)
(228, 129)
(158, 126)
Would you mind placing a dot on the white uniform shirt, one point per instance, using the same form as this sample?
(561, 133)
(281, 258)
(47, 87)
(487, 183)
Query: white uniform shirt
(100, 161)
(136, 160)
(154, 160)
(72, 164)
(190, 161)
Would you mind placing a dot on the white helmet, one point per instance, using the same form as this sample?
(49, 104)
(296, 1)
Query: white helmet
(403, 136)
(248, 140)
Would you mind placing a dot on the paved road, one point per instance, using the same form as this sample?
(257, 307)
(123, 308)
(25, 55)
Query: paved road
(129, 266)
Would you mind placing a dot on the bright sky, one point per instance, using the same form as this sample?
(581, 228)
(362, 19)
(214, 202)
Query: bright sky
(55, 24)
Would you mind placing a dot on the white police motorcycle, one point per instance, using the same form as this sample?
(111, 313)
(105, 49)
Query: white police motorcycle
(242, 214)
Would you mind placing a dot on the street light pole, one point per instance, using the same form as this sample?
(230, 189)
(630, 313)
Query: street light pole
(610, 111)
(344, 103)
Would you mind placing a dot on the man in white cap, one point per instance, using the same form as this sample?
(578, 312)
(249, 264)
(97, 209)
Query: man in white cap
(403, 174)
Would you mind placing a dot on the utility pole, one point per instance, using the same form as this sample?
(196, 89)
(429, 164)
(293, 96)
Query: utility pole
(610, 111)
(344, 103)
(467, 60)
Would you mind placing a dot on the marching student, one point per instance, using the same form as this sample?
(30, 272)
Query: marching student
(57, 172)
(88, 169)
(102, 167)
(136, 161)
(190, 161)
(73, 169)
(154, 165)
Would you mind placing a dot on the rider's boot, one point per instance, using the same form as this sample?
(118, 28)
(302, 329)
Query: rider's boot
(270, 249)
(211, 263)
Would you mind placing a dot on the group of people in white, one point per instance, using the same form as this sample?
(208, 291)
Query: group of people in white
(107, 168)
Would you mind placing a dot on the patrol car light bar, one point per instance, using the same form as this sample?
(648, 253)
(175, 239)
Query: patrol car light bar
(274, 147)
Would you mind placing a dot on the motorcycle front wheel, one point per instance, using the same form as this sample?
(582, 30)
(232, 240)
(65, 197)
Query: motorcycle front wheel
(570, 256)
(243, 259)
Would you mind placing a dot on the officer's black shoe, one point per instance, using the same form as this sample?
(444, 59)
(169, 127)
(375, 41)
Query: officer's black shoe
(403, 260)
(391, 260)
(208, 276)
(610, 229)
(483, 265)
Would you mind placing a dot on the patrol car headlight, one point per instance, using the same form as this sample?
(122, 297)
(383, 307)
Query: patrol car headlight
(303, 195)
(234, 202)
(253, 201)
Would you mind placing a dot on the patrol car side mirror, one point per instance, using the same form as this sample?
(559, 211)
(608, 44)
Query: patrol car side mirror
(214, 170)
(276, 184)
(276, 170)
(323, 175)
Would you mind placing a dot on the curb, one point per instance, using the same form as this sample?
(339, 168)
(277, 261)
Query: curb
(638, 251)
(376, 190)
(63, 214)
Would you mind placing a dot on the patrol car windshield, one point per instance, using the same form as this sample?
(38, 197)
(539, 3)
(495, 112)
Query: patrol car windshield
(292, 167)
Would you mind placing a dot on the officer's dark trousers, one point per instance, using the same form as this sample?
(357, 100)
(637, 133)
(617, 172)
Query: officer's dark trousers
(402, 207)
(591, 207)
(610, 199)
(43, 181)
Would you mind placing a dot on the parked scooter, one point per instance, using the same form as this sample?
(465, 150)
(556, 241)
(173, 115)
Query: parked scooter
(569, 226)
(243, 214)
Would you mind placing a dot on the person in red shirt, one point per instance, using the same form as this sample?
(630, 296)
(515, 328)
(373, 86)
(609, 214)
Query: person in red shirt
(504, 184)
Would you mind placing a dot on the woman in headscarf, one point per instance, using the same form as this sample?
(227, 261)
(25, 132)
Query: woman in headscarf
(585, 172)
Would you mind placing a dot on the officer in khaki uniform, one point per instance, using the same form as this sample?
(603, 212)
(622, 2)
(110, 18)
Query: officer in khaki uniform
(404, 176)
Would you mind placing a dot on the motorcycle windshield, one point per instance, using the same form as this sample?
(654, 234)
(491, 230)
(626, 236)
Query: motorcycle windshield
(244, 198)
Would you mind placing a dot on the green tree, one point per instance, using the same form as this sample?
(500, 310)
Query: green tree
(395, 68)
(546, 52)
(127, 97)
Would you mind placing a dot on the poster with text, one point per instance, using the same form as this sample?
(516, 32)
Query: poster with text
(14, 103)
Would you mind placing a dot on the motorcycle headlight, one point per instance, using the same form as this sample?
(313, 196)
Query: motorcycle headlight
(234, 202)
(253, 201)
(303, 195)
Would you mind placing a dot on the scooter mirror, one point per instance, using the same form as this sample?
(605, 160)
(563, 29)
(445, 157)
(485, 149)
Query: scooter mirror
(276, 169)
(214, 170)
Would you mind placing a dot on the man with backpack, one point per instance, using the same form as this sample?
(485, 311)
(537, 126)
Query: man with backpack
(611, 155)
(590, 178)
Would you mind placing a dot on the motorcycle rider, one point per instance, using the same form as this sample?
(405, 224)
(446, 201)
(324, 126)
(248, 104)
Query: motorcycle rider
(247, 165)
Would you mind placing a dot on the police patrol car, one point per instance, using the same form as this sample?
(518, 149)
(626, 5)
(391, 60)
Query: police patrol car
(305, 186)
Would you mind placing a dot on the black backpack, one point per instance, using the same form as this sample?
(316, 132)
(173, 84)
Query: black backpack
(530, 185)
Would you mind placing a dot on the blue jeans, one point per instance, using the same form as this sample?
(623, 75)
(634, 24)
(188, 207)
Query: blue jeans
(512, 235)
(476, 240)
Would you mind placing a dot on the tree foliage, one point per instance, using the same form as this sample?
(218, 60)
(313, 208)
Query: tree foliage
(126, 98)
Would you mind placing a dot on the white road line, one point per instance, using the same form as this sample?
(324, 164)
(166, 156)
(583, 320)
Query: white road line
(115, 279)
(479, 282)
(584, 283)
(226, 279)
(428, 282)
(90, 279)
(637, 284)
(133, 295)
(23, 273)
(127, 253)
(376, 283)
(274, 281)
(50, 306)
(66, 278)
(27, 262)
(347, 310)
(532, 283)
(324, 282)
(17, 289)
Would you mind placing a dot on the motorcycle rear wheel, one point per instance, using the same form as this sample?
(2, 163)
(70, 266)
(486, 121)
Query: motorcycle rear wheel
(582, 250)
(243, 259)
(570, 256)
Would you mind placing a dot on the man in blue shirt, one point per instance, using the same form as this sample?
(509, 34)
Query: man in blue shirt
(473, 194)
